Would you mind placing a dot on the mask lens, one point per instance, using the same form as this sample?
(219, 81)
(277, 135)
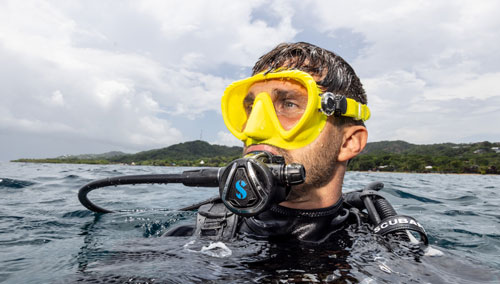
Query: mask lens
(289, 98)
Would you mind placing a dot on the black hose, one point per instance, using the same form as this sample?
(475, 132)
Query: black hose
(203, 177)
(366, 195)
(121, 180)
(384, 208)
(372, 211)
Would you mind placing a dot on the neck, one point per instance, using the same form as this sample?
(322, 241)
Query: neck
(310, 197)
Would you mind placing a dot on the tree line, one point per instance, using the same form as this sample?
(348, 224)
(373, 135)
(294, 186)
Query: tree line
(389, 156)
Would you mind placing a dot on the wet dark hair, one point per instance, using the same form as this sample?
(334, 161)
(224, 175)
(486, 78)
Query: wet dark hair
(337, 76)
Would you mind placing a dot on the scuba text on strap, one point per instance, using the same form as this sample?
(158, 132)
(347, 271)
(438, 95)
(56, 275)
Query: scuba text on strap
(381, 213)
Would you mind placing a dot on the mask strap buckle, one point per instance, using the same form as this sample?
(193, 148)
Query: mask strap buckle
(333, 104)
(360, 113)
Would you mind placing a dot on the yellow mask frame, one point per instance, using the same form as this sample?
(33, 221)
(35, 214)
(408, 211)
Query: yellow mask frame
(263, 125)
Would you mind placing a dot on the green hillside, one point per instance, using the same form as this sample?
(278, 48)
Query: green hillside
(400, 156)
(187, 151)
(186, 154)
(193, 153)
(394, 156)
(394, 147)
(106, 155)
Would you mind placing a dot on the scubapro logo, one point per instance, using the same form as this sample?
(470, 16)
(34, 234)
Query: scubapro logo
(396, 220)
(242, 193)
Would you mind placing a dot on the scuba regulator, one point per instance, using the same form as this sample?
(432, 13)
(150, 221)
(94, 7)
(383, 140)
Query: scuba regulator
(247, 186)
(250, 185)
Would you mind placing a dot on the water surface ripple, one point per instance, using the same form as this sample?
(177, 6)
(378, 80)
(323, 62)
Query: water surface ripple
(47, 236)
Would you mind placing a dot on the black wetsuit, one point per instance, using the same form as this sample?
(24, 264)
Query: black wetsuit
(278, 222)
(313, 225)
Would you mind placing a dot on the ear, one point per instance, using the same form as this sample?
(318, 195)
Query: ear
(354, 141)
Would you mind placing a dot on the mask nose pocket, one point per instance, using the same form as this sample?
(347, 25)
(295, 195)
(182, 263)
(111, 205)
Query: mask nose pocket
(259, 125)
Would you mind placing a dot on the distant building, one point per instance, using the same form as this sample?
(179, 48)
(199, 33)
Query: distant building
(428, 167)
(202, 162)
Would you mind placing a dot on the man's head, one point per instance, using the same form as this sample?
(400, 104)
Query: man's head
(323, 144)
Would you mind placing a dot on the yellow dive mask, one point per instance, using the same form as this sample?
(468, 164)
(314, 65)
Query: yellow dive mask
(285, 109)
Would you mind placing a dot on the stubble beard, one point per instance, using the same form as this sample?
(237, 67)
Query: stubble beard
(319, 159)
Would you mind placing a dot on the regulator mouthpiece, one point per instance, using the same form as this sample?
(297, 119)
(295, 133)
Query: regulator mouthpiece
(248, 186)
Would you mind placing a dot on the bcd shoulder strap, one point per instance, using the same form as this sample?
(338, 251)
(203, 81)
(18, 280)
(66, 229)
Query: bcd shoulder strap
(400, 223)
(216, 222)
(381, 213)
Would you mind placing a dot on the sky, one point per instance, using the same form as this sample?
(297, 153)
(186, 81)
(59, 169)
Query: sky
(95, 76)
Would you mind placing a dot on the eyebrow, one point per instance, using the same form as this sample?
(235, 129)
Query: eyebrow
(276, 91)
(285, 93)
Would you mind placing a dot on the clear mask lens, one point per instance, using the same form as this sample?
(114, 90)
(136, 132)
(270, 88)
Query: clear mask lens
(289, 99)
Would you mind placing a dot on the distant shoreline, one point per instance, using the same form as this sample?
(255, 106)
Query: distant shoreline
(384, 156)
(206, 166)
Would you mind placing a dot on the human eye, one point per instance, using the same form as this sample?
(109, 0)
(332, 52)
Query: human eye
(290, 104)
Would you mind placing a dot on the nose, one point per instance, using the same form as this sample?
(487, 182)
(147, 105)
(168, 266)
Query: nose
(259, 123)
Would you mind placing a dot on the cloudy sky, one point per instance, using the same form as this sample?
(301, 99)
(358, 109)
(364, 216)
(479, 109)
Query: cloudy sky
(94, 76)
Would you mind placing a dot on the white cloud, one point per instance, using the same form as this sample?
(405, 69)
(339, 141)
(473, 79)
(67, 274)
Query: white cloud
(476, 86)
(55, 100)
(218, 31)
(419, 59)
(226, 138)
(115, 76)
(114, 73)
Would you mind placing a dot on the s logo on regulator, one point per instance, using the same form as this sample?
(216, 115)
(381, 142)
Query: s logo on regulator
(242, 194)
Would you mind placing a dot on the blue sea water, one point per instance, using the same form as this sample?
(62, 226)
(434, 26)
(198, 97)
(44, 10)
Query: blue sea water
(47, 236)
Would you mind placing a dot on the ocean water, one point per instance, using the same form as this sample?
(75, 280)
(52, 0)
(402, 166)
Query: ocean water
(47, 236)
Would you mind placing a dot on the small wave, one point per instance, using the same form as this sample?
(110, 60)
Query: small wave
(14, 183)
(460, 212)
(463, 198)
(78, 214)
(11, 217)
(407, 195)
(71, 176)
(59, 200)
(25, 242)
(414, 208)
(466, 232)
(57, 224)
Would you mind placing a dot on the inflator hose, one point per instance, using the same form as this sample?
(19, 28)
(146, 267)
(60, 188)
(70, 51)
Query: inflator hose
(384, 208)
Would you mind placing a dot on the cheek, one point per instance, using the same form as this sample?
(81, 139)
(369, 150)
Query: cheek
(322, 151)
(286, 123)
